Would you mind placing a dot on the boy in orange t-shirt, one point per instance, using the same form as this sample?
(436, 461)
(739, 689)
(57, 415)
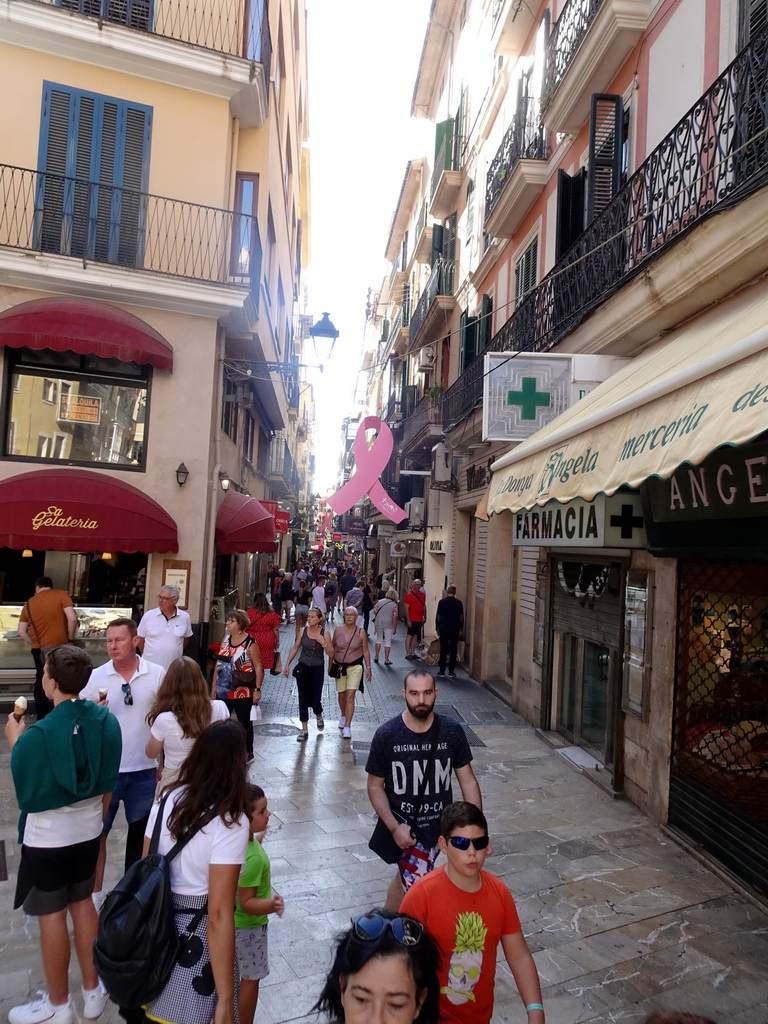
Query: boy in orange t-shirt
(467, 912)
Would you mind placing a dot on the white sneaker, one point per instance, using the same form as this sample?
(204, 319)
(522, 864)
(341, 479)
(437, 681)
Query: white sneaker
(342, 721)
(98, 899)
(94, 1001)
(41, 1011)
(346, 733)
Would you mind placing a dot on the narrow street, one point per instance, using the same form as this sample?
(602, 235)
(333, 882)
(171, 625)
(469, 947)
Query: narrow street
(621, 919)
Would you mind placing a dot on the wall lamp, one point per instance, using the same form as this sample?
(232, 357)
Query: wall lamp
(224, 481)
(181, 474)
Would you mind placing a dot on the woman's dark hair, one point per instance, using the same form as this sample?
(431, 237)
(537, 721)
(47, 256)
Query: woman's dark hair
(352, 954)
(261, 604)
(214, 776)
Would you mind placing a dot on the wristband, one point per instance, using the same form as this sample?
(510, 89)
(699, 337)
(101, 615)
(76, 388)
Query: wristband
(257, 689)
(534, 1006)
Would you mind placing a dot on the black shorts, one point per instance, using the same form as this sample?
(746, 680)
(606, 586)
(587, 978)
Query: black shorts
(415, 629)
(52, 878)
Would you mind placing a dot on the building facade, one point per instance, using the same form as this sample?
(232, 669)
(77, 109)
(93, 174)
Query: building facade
(582, 254)
(153, 229)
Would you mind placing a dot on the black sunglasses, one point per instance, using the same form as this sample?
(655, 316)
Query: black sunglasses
(370, 927)
(462, 843)
(127, 695)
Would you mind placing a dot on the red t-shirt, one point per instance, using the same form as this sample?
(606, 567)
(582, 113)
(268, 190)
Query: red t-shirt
(467, 927)
(416, 605)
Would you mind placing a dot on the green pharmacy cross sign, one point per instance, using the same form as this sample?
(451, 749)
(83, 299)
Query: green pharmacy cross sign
(529, 399)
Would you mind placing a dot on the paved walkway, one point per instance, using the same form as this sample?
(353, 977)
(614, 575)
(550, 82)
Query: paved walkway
(621, 919)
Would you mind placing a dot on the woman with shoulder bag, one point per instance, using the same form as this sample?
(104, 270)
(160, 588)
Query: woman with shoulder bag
(238, 676)
(310, 670)
(385, 624)
(351, 643)
(212, 786)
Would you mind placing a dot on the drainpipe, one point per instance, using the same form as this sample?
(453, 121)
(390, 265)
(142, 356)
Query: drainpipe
(213, 495)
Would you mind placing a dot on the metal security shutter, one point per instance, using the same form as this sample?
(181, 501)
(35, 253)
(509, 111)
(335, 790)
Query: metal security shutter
(481, 557)
(526, 593)
(719, 776)
(587, 599)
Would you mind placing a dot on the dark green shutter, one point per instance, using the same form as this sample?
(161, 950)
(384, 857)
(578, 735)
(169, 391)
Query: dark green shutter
(443, 144)
(468, 340)
(570, 210)
(604, 152)
(437, 243)
(486, 322)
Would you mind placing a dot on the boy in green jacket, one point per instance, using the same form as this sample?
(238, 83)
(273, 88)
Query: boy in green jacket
(64, 768)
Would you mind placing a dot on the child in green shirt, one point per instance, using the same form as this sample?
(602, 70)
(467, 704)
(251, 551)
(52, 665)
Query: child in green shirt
(255, 900)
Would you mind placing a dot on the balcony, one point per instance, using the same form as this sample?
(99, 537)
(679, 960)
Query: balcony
(422, 429)
(517, 175)
(136, 231)
(133, 36)
(587, 46)
(283, 474)
(434, 306)
(512, 23)
(713, 159)
(446, 177)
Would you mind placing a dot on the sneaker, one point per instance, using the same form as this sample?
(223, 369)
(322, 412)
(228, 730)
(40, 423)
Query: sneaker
(342, 721)
(302, 737)
(320, 723)
(41, 1011)
(346, 733)
(98, 899)
(94, 1001)
(451, 675)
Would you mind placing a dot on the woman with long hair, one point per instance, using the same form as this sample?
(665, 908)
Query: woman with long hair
(314, 645)
(350, 642)
(265, 630)
(182, 708)
(238, 676)
(385, 624)
(301, 602)
(211, 788)
(384, 968)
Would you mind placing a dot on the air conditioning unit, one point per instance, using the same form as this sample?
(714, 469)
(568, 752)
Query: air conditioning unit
(415, 510)
(427, 358)
(442, 463)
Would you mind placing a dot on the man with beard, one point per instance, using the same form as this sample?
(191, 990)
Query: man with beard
(409, 779)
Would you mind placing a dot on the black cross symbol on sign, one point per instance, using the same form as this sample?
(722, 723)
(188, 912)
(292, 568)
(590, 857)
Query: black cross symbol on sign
(627, 521)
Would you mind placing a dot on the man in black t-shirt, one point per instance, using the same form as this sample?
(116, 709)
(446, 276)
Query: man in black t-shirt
(409, 778)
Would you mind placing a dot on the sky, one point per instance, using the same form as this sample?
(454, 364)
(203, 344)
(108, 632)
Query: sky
(362, 63)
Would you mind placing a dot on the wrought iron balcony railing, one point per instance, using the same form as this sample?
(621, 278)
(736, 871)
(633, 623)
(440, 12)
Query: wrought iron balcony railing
(239, 28)
(425, 414)
(440, 283)
(565, 38)
(393, 408)
(101, 224)
(715, 156)
(524, 140)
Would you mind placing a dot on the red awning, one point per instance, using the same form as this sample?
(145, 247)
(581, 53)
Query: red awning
(244, 525)
(77, 510)
(88, 328)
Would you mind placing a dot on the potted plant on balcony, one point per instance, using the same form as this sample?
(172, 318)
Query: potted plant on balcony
(436, 394)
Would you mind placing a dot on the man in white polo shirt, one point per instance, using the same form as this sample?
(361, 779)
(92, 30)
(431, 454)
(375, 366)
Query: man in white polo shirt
(164, 631)
(130, 684)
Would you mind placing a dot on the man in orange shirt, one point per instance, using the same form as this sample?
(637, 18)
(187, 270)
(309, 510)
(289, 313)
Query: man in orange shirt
(47, 620)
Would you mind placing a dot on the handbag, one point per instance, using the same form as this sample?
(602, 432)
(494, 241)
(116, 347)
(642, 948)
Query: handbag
(339, 668)
(296, 671)
(382, 842)
(277, 667)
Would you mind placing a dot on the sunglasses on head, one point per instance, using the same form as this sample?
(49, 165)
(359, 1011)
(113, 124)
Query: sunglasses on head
(127, 695)
(462, 843)
(370, 927)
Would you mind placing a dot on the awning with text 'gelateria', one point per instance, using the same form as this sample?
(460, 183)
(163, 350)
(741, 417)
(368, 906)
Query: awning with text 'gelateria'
(85, 327)
(704, 385)
(76, 510)
(243, 526)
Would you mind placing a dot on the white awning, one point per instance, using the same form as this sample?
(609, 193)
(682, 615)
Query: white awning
(703, 386)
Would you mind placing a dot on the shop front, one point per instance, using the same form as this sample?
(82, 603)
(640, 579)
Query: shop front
(657, 659)
(92, 535)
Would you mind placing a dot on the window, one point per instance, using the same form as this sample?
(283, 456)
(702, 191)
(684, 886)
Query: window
(526, 271)
(753, 17)
(94, 158)
(245, 235)
(271, 246)
(467, 340)
(77, 409)
(230, 407)
(249, 436)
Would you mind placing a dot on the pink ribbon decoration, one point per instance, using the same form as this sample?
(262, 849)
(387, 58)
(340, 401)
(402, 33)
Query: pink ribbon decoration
(326, 522)
(369, 463)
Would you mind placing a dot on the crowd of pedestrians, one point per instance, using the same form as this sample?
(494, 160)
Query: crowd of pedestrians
(173, 749)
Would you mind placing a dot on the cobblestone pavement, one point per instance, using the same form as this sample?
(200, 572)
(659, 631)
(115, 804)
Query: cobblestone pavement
(621, 919)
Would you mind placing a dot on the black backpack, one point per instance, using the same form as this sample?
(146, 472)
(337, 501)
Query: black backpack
(137, 942)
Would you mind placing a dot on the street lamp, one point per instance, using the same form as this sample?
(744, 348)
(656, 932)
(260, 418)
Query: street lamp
(325, 330)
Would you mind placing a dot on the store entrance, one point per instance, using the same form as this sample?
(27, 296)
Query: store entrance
(586, 670)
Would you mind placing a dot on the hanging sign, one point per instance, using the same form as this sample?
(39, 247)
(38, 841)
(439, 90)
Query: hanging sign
(369, 463)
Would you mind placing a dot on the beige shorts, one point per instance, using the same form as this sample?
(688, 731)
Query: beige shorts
(352, 680)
